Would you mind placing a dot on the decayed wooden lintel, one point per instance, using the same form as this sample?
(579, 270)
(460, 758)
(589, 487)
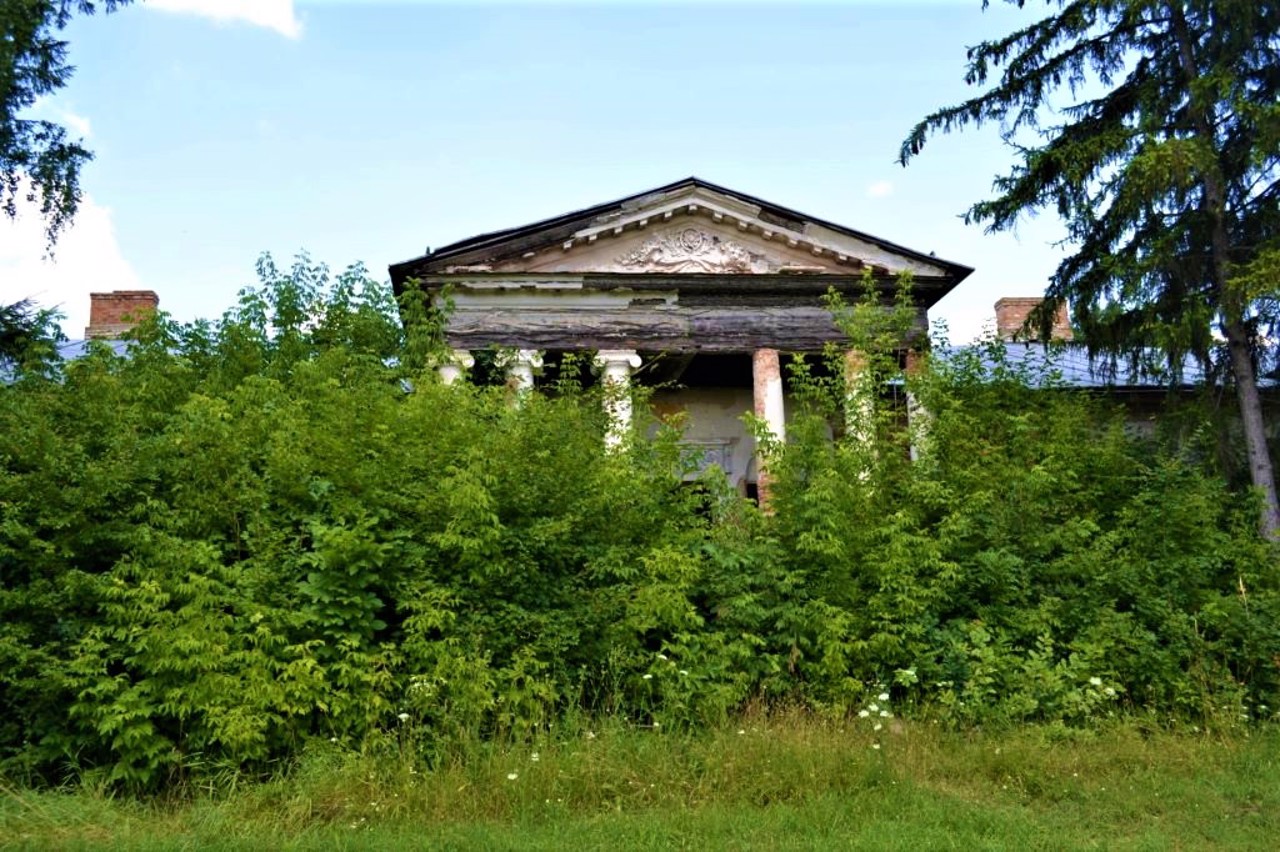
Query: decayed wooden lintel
(797, 329)
(803, 288)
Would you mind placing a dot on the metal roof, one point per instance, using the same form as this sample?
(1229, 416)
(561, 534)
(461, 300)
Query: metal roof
(1069, 365)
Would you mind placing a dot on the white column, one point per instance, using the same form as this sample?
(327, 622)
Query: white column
(918, 418)
(459, 361)
(616, 365)
(520, 366)
(766, 374)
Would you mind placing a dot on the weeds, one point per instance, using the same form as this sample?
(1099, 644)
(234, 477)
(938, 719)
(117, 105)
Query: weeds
(250, 542)
(792, 776)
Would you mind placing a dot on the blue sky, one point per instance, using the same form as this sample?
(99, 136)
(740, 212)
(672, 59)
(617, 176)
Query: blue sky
(368, 131)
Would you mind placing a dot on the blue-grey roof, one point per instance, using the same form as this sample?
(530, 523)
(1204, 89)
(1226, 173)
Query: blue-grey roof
(69, 350)
(1069, 365)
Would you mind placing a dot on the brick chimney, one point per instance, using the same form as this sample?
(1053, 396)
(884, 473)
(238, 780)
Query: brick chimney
(1012, 313)
(115, 313)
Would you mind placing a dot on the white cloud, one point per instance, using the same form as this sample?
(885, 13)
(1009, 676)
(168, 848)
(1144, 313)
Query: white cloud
(76, 123)
(880, 189)
(275, 15)
(86, 258)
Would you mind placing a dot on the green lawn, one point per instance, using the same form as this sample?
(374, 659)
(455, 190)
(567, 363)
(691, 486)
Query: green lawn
(786, 783)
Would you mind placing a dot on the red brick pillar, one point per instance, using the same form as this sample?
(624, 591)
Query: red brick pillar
(766, 372)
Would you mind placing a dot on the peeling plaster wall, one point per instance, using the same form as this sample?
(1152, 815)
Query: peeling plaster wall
(713, 423)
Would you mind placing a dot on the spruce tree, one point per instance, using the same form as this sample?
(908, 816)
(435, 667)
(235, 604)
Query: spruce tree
(1165, 167)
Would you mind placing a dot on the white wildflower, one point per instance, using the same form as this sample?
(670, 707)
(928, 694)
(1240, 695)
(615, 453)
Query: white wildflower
(535, 757)
(862, 714)
(648, 677)
(875, 746)
(878, 727)
(1095, 681)
(403, 717)
(511, 776)
(662, 657)
(885, 714)
(884, 696)
(874, 707)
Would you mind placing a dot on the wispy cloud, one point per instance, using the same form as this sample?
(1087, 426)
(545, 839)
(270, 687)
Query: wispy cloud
(50, 110)
(880, 189)
(278, 15)
(77, 123)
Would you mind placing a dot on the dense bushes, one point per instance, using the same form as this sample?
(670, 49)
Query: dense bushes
(279, 527)
(1036, 562)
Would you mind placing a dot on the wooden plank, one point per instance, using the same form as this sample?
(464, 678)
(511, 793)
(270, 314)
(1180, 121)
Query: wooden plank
(803, 288)
(792, 329)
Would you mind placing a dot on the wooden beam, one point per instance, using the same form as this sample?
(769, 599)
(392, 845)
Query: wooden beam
(794, 329)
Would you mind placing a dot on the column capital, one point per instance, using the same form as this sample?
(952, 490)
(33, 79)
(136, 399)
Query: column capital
(616, 358)
(454, 364)
(520, 365)
(531, 358)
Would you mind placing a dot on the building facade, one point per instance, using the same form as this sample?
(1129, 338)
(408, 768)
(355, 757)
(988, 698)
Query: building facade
(693, 288)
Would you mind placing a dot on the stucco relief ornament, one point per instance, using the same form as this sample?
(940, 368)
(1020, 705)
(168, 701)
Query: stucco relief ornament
(694, 250)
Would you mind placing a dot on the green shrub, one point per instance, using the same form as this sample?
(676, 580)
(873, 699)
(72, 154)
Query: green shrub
(279, 528)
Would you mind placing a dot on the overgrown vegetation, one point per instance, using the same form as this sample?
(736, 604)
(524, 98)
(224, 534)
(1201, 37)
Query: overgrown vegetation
(277, 532)
(782, 782)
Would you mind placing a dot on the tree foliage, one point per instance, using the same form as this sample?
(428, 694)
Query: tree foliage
(38, 153)
(279, 527)
(1165, 167)
(28, 336)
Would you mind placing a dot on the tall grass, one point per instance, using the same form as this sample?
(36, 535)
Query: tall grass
(765, 781)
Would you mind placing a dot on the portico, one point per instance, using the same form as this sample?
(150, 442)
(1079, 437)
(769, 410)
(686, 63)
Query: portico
(697, 286)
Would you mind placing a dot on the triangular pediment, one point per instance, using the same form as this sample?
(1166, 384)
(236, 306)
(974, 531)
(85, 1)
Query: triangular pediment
(683, 247)
(687, 228)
